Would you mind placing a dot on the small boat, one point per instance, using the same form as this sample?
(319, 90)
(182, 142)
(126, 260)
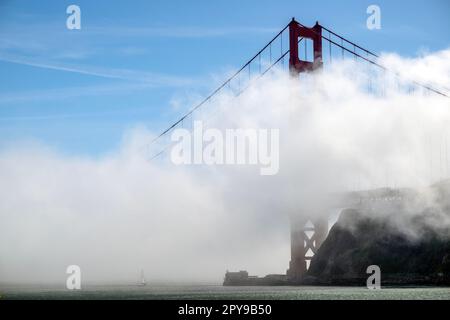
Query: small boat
(143, 282)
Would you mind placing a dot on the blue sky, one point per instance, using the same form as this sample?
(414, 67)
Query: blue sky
(132, 61)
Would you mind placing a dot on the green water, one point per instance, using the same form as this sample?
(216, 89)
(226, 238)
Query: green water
(219, 292)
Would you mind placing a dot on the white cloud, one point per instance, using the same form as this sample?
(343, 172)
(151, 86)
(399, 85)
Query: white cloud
(150, 78)
(180, 32)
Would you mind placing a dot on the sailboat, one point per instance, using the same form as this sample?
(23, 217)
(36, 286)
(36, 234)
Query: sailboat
(143, 282)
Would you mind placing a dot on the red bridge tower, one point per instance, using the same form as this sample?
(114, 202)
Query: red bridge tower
(306, 235)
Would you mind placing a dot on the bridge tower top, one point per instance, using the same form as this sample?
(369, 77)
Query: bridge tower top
(297, 31)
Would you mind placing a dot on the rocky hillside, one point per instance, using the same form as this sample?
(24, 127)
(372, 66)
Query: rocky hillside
(409, 241)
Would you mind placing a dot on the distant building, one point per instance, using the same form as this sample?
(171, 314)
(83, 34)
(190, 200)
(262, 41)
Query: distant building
(241, 278)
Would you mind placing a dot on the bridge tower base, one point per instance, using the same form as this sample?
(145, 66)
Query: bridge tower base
(306, 238)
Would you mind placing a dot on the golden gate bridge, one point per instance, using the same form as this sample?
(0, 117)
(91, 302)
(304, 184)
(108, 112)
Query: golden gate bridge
(299, 49)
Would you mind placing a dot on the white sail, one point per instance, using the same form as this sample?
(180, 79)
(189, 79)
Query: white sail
(143, 282)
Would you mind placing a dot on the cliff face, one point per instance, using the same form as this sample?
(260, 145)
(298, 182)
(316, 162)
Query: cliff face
(410, 246)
